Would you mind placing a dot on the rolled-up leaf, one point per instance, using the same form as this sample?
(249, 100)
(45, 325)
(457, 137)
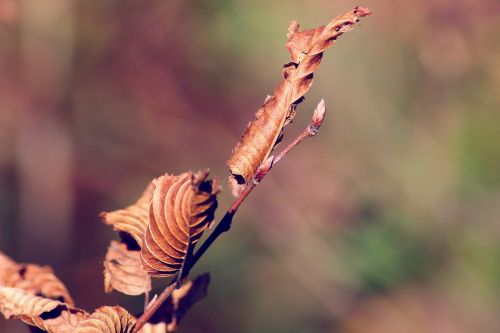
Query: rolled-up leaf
(47, 314)
(107, 319)
(123, 270)
(261, 135)
(182, 207)
(133, 219)
(37, 280)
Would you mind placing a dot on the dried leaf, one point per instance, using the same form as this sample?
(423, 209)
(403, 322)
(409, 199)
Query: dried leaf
(47, 314)
(182, 207)
(37, 280)
(6, 266)
(66, 322)
(6, 261)
(107, 319)
(16, 302)
(154, 328)
(123, 270)
(133, 219)
(179, 303)
(261, 135)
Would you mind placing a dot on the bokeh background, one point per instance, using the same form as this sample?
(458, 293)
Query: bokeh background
(387, 221)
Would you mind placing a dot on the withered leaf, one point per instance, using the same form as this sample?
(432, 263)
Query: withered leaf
(179, 303)
(123, 270)
(16, 302)
(133, 219)
(6, 266)
(261, 135)
(107, 319)
(47, 314)
(154, 328)
(182, 207)
(66, 322)
(37, 280)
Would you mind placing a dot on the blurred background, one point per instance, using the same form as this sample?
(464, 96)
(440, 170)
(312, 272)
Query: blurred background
(387, 221)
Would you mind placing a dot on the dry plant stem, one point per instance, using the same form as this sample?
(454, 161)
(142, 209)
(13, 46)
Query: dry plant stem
(221, 227)
(175, 283)
(151, 309)
(225, 223)
(301, 137)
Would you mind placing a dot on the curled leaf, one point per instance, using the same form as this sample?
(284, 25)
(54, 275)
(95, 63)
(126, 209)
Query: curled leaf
(123, 270)
(182, 207)
(133, 219)
(65, 322)
(15, 302)
(107, 319)
(6, 261)
(37, 280)
(261, 135)
(47, 314)
(154, 328)
(6, 267)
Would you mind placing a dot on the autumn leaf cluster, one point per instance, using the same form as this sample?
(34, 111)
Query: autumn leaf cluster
(158, 233)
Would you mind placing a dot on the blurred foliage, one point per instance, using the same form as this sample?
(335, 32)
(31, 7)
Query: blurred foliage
(386, 222)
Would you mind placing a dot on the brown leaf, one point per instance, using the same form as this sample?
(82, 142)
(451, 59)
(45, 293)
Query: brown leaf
(6, 266)
(123, 270)
(180, 302)
(154, 328)
(261, 135)
(37, 280)
(66, 322)
(133, 219)
(107, 319)
(182, 207)
(47, 314)
(16, 302)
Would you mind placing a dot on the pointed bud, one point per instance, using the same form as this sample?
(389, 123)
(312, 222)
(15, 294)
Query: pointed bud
(317, 118)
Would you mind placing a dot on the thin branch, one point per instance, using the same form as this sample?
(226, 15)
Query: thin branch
(311, 130)
(175, 283)
(225, 223)
(154, 306)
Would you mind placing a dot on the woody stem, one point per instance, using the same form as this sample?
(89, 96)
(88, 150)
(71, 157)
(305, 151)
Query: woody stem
(223, 226)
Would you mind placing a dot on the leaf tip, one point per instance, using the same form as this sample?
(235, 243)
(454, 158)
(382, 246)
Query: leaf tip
(102, 216)
(362, 11)
(292, 28)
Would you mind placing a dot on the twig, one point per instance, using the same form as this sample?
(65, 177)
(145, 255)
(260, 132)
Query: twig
(175, 283)
(154, 306)
(311, 130)
(225, 223)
